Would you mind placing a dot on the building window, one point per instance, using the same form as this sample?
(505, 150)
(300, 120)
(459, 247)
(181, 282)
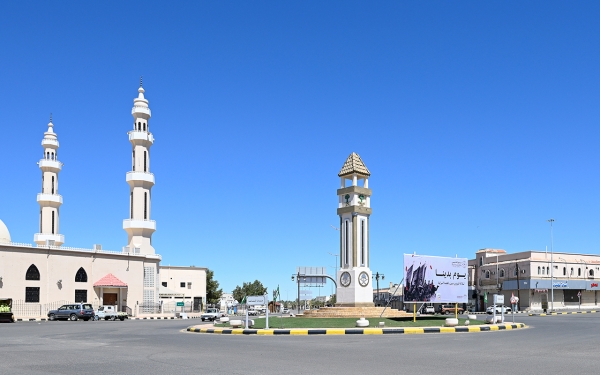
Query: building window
(145, 155)
(131, 206)
(547, 270)
(145, 206)
(592, 273)
(32, 273)
(144, 126)
(502, 273)
(80, 295)
(81, 277)
(164, 283)
(564, 271)
(487, 274)
(481, 261)
(539, 270)
(139, 126)
(133, 160)
(32, 294)
(52, 222)
(182, 284)
(189, 285)
(571, 271)
(52, 184)
(579, 272)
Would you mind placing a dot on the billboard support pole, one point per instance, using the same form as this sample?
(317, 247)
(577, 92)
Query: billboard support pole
(415, 312)
(390, 300)
(456, 310)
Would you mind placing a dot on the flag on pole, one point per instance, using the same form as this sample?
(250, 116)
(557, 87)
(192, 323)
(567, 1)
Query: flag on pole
(485, 297)
(243, 300)
(276, 294)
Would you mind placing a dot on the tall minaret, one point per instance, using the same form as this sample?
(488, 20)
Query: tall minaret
(139, 227)
(49, 199)
(354, 286)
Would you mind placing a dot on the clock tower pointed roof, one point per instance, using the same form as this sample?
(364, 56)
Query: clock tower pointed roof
(354, 165)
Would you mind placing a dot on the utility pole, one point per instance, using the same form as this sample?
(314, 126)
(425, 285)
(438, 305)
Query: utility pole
(518, 285)
(551, 265)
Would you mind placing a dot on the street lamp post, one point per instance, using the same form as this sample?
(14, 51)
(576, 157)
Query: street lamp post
(551, 264)
(297, 276)
(377, 276)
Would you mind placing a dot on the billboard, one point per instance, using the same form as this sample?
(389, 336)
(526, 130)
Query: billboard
(435, 279)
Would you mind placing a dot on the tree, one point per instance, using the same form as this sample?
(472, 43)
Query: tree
(248, 289)
(213, 293)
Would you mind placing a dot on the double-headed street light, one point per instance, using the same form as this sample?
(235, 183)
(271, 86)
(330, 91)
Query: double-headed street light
(551, 263)
(378, 276)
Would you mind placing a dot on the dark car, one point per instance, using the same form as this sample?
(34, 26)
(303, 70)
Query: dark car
(73, 311)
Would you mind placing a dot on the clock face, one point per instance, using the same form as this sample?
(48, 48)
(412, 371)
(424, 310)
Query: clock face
(345, 279)
(363, 279)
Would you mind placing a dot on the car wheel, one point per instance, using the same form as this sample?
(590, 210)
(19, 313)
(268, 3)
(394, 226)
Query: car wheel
(52, 317)
(447, 312)
(73, 317)
(96, 317)
(113, 318)
(122, 318)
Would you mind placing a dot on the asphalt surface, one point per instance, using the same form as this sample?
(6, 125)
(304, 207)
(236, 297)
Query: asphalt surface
(552, 345)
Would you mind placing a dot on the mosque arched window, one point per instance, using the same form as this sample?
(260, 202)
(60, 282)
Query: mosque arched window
(139, 126)
(81, 276)
(32, 273)
(144, 126)
(487, 274)
(502, 272)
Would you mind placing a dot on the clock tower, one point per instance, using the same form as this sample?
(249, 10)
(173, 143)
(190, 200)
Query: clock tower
(354, 287)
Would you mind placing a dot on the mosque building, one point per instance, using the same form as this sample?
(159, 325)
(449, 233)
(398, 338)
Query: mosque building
(41, 276)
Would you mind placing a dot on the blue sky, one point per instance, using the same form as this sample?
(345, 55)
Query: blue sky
(478, 121)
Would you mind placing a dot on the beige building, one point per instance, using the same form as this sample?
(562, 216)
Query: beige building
(537, 278)
(46, 275)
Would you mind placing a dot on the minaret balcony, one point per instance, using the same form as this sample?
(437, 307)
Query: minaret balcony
(49, 143)
(140, 135)
(53, 200)
(50, 165)
(139, 224)
(133, 177)
(42, 239)
(139, 109)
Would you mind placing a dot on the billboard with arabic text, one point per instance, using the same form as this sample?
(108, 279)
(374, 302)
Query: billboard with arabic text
(435, 279)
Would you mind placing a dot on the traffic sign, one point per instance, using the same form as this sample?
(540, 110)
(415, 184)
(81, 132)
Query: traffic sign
(579, 294)
(179, 304)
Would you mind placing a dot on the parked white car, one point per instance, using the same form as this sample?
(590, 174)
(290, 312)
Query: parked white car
(429, 309)
(490, 310)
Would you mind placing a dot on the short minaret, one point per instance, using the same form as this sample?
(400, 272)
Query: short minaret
(139, 227)
(354, 287)
(49, 199)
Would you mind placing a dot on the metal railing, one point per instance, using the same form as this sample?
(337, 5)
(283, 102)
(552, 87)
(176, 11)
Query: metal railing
(20, 308)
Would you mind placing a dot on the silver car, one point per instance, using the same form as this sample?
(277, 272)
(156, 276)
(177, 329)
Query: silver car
(73, 311)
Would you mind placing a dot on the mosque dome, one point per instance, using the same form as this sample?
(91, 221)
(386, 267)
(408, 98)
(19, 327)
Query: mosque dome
(4, 233)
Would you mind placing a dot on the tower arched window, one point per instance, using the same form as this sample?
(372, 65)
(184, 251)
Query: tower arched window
(571, 272)
(133, 160)
(487, 274)
(362, 242)
(564, 271)
(139, 126)
(145, 158)
(131, 205)
(32, 273)
(481, 261)
(543, 270)
(52, 184)
(47, 155)
(346, 241)
(144, 126)
(539, 270)
(502, 272)
(592, 273)
(579, 272)
(52, 222)
(547, 270)
(145, 206)
(81, 276)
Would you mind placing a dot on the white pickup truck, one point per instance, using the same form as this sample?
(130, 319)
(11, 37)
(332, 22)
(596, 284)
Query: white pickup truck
(109, 312)
(211, 314)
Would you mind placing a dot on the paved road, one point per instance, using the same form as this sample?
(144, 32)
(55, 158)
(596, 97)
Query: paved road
(553, 345)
